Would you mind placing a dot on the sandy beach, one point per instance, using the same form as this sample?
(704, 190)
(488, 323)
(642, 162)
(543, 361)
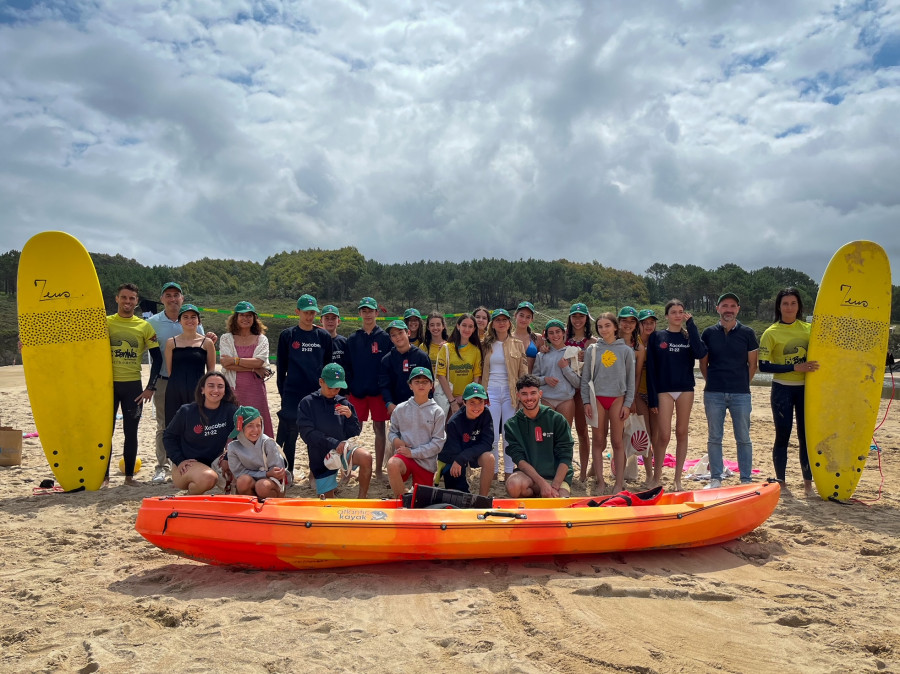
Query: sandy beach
(813, 590)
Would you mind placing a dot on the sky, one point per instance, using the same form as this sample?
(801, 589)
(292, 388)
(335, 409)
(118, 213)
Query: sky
(689, 131)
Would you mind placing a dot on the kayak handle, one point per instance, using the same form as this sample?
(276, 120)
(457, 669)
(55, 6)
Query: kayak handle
(501, 513)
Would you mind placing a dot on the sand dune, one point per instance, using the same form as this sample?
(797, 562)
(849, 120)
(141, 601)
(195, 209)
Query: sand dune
(814, 589)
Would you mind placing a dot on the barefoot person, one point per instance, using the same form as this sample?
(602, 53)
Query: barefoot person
(782, 351)
(244, 356)
(671, 354)
(362, 361)
(196, 438)
(188, 356)
(647, 326)
(166, 326)
(326, 421)
(609, 365)
(578, 335)
(540, 443)
(417, 435)
(255, 461)
(129, 337)
(504, 363)
(558, 380)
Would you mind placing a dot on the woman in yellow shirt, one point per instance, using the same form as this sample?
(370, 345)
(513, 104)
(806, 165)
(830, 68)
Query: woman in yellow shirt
(460, 365)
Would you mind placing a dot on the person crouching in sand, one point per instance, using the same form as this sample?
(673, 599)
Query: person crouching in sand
(255, 460)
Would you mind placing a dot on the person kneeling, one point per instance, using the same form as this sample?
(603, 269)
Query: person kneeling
(539, 441)
(470, 437)
(417, 434)
(258, 466)
(325, 421)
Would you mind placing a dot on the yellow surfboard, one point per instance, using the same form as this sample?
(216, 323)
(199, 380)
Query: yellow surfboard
(849, 339)
(68, 369)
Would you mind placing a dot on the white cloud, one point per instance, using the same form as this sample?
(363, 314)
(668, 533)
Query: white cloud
(696, 132)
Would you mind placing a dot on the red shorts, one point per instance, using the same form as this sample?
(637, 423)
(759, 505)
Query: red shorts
(607, 401)
(370, 404)
(419, 474)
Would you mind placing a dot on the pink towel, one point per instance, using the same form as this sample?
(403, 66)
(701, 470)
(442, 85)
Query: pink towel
(669, 462)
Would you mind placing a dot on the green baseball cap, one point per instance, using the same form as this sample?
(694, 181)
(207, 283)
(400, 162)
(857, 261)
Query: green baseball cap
(499, 312)
(555, 323)
(307, 303)
(368, 303)
(726, 296)
(244, 308)
(171, 284)
(420, 371)
(474, 390)
(242, 416)
(412, 312)
(331, 309)
(526, 305)
(188, 307)
(398, 325)
(334, 376)
(628, 312)
(579, 308)
(644, 314)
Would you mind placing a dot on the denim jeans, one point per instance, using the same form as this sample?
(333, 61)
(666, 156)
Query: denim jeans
(739, 405)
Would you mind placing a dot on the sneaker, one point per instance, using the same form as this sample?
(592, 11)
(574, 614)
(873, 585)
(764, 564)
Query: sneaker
(159, 477)
(714, 484)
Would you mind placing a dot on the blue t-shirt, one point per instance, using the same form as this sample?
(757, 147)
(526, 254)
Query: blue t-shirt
(727, 370)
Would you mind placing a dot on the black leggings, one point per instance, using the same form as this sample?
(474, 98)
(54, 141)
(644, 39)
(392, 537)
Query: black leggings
(785, 400)
(124, 393)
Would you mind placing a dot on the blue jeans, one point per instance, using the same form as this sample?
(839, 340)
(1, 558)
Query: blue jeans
(739, 405)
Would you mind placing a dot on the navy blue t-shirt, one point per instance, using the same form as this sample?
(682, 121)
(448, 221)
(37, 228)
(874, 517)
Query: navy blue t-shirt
(301, 356)
(727, 370)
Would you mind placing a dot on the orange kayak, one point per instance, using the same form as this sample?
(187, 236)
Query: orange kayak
(285, 534)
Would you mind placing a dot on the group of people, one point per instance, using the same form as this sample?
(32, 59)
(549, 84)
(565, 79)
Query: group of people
(441, 403)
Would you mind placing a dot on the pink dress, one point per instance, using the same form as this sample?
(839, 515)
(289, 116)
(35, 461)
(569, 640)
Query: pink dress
(251, 390)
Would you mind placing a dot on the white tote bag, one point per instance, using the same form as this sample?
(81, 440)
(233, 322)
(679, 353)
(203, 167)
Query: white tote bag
(637, 440)
(592, 422)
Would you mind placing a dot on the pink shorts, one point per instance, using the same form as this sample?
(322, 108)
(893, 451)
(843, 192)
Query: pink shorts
(370, 404)
(606, 401)
(419, 474)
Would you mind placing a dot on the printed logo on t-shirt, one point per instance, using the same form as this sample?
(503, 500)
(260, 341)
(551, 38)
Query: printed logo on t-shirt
(295, 345)
(198, 429)
(406, 365)
(375, 347)
(663, 345)
(538, 434)
(466, 437)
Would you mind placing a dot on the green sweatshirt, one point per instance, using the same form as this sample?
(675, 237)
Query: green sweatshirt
(544, 442)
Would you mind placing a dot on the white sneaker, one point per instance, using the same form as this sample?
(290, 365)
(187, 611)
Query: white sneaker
(714, 484)
(159, 477)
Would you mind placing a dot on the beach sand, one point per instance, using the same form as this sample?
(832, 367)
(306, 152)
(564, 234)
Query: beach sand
(815, 589)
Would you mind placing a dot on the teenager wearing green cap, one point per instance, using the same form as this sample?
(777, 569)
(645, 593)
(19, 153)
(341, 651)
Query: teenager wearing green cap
(188, 356)
(256, 462)
(416, 436)
(413, 320)
(327, 421)
(554, 371)
(166, 325)
(393, 375)
(470, 438)
(580, 336)
(504, 363)
(244, 356)
(362, 360)
(303, 351)
(331, 319)
(522, 331)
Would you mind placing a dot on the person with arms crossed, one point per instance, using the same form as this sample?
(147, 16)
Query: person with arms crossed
(728, 367)
(303, 351)
(540, 443)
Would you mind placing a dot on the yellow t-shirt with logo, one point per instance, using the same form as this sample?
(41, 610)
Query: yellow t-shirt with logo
(461, 370)
(129, 338)
(786, 344)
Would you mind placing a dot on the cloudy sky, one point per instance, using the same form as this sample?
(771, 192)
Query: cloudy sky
(691, 131)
